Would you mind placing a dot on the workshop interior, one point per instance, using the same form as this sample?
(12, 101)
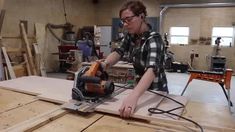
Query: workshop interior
(52, 76)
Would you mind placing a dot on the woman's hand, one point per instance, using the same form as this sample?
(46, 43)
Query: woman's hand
(128, 105)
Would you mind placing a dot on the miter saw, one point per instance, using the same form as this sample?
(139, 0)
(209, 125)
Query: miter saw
(91, 87)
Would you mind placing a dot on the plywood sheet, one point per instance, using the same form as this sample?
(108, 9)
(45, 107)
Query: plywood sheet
(22, 84)
(146, 101)
(70, 122)
(36, 85)
(42, 45)
(57, 97)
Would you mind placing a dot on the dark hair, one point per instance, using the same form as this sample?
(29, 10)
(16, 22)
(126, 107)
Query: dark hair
(137, 7)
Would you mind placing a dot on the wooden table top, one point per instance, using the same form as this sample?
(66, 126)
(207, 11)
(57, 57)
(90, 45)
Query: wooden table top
(20, 111)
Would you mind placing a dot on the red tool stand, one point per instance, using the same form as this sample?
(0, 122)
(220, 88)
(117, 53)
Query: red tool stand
(223, 78)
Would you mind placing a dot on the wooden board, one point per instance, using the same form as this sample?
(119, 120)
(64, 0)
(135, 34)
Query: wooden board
(37, 121)
(9, 66)
(146, 101)
(36, 85)
(10, 100)
(28, 49)
(19, 70)
(71, 122)
(37, 57)
(15, 116)
(42, 45)
(57, 97)
(116, 124)
(27, 64)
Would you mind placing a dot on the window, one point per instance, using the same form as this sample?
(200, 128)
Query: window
(226, 34)
(179, 35)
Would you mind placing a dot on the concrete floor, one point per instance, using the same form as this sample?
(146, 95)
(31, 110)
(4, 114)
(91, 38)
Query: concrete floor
(199, 91)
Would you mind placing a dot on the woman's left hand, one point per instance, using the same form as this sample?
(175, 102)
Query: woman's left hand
(128, 106)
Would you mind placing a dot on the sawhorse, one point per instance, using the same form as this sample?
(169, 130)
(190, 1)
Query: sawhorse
(223, 78)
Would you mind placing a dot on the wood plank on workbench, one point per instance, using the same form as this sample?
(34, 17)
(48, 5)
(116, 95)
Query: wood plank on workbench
(15, 116)
(116, 124)
(71, 122)
(37, 121)
(10, 100)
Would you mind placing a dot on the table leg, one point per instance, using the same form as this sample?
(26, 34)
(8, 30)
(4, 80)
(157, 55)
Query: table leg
(190, 79)
(226, 95)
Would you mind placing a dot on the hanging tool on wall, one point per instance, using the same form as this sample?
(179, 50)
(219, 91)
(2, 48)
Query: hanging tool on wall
(68, 33)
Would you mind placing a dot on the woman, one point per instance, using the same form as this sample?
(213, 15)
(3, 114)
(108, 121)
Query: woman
(146, 52)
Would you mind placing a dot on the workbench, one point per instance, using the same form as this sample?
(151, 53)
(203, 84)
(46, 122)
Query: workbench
(21, 112)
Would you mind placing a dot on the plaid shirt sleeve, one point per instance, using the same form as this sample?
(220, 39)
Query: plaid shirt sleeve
(155, 57)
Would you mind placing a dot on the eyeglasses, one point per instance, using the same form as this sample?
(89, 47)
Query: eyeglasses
(127, 19)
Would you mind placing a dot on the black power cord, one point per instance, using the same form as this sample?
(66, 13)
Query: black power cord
(159, 111)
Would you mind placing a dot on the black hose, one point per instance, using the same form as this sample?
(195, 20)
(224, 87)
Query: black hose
(50, 26)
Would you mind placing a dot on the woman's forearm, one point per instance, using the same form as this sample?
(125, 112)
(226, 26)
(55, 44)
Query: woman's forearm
(144, 83)
(112, 59)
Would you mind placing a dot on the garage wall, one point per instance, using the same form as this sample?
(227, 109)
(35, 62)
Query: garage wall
(200, 21)
(1, 3)
(105, 10)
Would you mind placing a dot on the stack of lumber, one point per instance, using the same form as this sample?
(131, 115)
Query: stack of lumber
(30, 62)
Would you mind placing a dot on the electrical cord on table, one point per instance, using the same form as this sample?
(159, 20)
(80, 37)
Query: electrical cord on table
(159, 111)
